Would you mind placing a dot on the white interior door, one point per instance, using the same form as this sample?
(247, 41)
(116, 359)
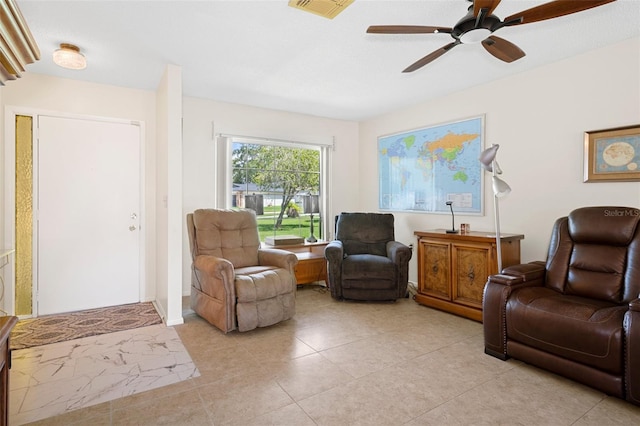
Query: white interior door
(88, 208)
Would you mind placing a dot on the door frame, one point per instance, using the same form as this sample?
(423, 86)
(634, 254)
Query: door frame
(10, 197)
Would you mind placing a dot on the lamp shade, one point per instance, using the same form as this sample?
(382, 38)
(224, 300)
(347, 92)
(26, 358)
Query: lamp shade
(311, 204)
(69, 56)
(500, 187)
(488, 156)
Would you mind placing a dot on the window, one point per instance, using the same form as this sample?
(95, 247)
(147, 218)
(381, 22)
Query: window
(283, 182)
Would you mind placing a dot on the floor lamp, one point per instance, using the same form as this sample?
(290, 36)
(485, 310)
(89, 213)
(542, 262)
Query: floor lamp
(311, 205)
(500, 189)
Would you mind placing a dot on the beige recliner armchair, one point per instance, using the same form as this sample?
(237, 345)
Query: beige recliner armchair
(235, 283)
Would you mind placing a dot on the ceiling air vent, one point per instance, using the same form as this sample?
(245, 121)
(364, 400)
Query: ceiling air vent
(326, 8)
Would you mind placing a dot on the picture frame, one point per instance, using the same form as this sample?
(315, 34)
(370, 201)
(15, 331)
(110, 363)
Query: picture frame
(612, 155)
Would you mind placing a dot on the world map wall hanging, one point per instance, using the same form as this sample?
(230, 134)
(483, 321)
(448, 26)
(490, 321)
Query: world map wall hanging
(421, 169)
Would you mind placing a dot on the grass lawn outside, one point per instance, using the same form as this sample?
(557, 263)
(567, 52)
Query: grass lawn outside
(298, 226)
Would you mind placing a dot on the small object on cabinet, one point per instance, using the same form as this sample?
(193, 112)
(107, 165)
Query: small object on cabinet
(283, 240)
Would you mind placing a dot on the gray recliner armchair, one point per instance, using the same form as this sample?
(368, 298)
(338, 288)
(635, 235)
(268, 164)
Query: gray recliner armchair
(364, 261)
(235, 284)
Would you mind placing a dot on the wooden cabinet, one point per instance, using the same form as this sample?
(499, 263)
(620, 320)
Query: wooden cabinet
(453, 268)
(6, 324)
(312, 265)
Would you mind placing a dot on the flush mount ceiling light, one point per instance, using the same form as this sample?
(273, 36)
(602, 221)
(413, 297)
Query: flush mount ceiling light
(69, 56)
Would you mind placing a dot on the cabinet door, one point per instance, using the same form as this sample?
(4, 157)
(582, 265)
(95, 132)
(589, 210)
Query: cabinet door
(435, 265)
(471, 267)
(311, 270)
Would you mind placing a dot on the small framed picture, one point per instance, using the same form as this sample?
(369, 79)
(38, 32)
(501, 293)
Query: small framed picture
(612, 155)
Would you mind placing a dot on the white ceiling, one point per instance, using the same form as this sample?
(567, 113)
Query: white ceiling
(267, 54)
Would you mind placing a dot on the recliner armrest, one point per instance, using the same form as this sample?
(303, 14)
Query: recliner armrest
(334, 251)
(212, 266)
(508, 280)
(496, 293)
(214, 276)
(634, 305)
(277, 257)
(527, 272)
(398, 252)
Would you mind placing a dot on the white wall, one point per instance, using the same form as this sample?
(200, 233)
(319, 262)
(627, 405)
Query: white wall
(169, 195)
(539, 119)
(204, 118)
(44, 93)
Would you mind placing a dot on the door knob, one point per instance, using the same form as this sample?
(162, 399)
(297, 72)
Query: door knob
(132, 228)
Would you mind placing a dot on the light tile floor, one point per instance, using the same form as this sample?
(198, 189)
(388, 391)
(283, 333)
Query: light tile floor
(349, 363)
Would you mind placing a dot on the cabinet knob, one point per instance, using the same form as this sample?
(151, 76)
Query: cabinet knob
(434, 268)
(471, 275)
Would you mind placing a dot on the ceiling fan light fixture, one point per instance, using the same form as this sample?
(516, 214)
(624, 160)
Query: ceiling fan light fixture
(69, 56)
(479, 25)
(475, 36)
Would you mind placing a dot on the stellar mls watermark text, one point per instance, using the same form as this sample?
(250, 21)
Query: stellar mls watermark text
(622, 212)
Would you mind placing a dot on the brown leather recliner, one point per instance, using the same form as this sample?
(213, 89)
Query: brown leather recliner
(578, 313)
(235, 283)
(364, 262)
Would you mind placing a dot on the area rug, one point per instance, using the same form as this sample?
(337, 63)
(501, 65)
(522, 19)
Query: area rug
(55, 379)
(75, 325)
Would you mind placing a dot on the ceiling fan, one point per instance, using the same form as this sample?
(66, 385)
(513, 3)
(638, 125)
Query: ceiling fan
(479, 24)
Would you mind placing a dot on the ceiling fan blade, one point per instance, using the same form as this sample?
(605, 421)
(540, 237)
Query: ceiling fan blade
(484, 4)
(502, 49)
(551, 10)
(406, 29)
(431, 57)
